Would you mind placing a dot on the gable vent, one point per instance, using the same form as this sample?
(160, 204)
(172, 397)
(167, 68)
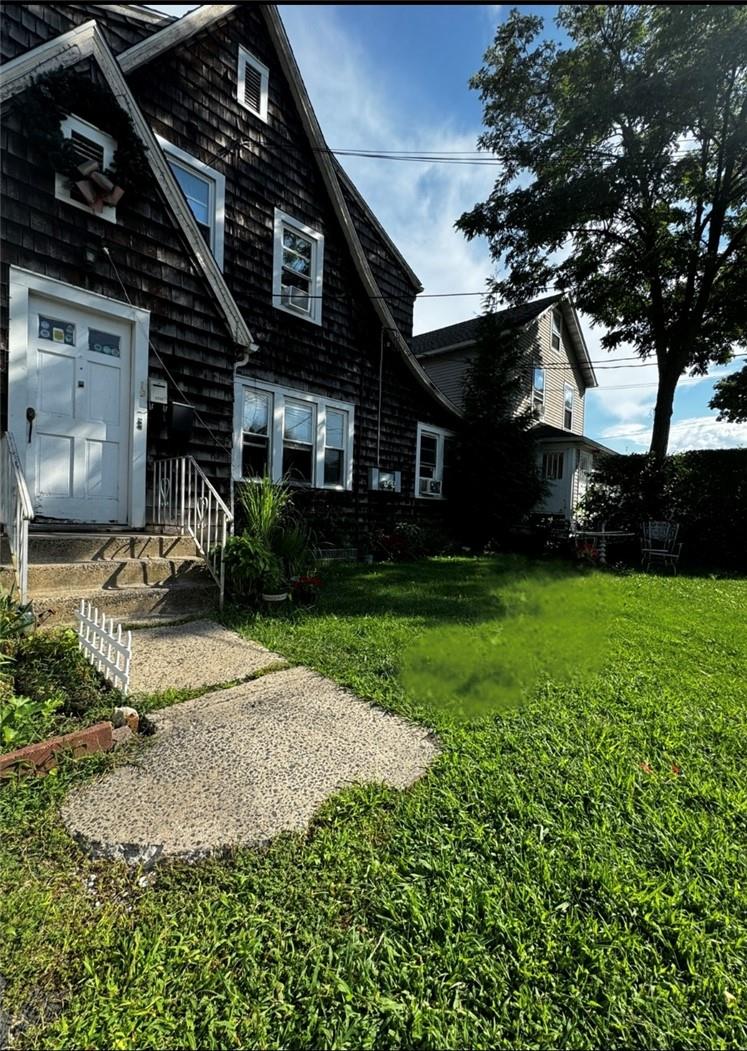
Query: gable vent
(252, 87)
(87, 150)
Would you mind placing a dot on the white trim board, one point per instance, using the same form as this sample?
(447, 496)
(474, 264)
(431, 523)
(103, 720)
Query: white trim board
(22, 284)
(88, 40)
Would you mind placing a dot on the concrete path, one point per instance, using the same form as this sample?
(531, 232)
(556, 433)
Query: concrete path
(239, 766)
(187, 656)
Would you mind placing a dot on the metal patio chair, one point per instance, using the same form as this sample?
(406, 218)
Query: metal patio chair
(659, 545)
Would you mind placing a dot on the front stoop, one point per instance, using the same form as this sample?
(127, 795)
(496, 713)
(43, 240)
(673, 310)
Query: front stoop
(126, 575)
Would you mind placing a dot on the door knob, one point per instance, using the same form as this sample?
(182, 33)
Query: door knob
(30, 416)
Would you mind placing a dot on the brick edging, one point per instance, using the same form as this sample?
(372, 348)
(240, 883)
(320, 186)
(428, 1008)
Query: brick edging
(41, 757)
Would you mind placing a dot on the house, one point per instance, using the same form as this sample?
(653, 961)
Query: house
(559, 372)
(192, 292)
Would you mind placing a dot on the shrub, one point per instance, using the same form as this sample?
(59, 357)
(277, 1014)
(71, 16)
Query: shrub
(407, 542)
(704, 490)
(49, 665)
(24, 720)
(274, 544)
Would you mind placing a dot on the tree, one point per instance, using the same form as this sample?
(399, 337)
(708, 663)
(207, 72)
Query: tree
(730, 397)
(494, 480)
(624, 176)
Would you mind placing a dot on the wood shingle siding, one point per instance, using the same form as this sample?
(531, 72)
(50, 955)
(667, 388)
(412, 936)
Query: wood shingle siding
(188, 96)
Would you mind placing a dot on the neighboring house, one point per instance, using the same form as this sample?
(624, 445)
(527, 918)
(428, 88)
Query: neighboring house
(240, 304)
(559, 372)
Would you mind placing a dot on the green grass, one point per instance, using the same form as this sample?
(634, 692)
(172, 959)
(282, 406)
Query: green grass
(571, 873)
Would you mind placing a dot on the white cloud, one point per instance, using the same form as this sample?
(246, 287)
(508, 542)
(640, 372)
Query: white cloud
(698, 432)
(417, 202)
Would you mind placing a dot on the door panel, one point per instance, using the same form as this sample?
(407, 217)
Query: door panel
(78, 450)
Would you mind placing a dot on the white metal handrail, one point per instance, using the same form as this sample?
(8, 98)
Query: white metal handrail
(184, 497)
(16, 511)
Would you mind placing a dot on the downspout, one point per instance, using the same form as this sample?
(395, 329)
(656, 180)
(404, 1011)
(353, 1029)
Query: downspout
(240, 362)
(378, 414)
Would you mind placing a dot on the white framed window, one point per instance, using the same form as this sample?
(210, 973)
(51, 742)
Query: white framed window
(304, 438)
(431, 461)
(90, 144)
(556, 338)
(252, 82)
(568, 406)
(205, 190)
(538, 390)
(552, 466)
(298, 268)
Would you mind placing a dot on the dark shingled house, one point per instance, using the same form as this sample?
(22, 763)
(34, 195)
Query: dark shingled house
(193, 291)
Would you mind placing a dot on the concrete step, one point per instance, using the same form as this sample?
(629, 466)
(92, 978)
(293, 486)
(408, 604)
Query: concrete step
(47, 577)
(129, 603)
(60, 547)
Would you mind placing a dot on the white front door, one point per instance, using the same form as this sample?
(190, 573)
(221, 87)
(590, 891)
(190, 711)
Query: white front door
(78, 390)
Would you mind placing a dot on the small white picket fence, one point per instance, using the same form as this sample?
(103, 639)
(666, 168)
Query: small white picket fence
(105, 645)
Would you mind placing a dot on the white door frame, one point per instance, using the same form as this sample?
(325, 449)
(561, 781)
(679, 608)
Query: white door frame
(22, 283)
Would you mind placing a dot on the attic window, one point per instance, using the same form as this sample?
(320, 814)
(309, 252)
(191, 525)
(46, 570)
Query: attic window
(90, 144)
(297, 268)
(555, 338)
(252, 83)
(205, 191)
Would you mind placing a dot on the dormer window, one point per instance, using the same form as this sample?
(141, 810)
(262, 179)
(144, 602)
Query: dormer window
(252, 83)
(90, 145)
(298, 268)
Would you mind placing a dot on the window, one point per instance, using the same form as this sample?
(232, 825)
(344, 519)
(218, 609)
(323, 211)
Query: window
(205, 190)
(432, 462)
(257, 432)
(538, 390)
(90, 144)
(298, 441)
(552, 466)
(305, 438)
(251, 83)
(567, 406)
(555, 338)
(297, 269)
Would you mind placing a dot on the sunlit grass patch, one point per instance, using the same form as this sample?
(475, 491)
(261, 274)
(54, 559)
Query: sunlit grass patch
(545, 628)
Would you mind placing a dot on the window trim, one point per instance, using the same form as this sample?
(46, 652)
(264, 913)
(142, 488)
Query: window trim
(441, 434)
(566, 388)
(321, 403)
(282, 220)
(217, 183)
(538, 396)
(109, 145)
(246, 58)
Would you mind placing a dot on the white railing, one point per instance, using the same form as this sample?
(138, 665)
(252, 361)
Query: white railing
(105, 645)
(16, 511)
(184, 497)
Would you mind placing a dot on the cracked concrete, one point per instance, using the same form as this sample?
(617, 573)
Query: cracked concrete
(188, 656)
(239, 766)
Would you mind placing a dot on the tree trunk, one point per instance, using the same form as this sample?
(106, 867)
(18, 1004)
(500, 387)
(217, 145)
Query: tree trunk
(663, 414)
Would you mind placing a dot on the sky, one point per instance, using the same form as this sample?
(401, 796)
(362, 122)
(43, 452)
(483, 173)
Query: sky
(396, 77)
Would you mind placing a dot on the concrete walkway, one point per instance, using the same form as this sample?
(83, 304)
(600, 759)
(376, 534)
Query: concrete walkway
(238, 766)
(188, 656)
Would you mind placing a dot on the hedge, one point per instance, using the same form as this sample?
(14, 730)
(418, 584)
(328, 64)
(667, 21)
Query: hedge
(704, 490)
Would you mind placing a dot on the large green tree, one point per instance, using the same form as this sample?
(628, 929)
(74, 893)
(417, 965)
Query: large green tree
(624, 176)
(730, 397)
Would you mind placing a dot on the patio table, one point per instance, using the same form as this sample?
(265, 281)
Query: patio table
(603, 535)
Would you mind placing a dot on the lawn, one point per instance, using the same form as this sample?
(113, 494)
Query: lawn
(571, 873)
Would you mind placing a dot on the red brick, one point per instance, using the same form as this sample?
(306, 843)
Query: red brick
(41, 757)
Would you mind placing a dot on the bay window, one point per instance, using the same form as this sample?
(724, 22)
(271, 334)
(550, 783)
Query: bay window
(304, 438)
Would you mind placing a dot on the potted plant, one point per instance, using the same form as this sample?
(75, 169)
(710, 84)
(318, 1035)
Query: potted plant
(306, 589)
(273, 582)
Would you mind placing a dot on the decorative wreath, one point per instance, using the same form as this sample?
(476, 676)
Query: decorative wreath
(52, 98)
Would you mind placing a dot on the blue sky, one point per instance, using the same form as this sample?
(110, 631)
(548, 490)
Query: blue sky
(396, 77)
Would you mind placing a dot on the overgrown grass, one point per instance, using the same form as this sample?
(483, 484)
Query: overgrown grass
(570, 873)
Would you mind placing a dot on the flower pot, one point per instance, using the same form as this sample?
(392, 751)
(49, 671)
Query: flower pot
(279, 597)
